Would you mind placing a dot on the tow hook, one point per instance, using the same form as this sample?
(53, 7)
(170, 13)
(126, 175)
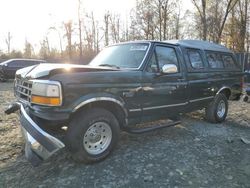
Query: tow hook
(12, 108)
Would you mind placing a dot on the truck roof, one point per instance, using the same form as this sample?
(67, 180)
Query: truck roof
(204, 45)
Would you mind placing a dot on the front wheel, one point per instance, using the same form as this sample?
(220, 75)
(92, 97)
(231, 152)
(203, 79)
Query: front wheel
(2, 77)
(92, 135)
(216, 111)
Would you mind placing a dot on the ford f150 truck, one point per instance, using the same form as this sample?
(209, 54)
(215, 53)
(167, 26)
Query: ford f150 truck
(123, 85)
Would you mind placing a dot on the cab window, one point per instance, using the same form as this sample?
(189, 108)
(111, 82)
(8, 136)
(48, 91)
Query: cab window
(228, 61)
(162, 55)
(153, 66)
(195, 59)
(214, 60)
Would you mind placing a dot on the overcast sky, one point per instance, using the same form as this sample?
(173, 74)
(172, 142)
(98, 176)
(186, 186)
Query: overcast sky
(30, 19)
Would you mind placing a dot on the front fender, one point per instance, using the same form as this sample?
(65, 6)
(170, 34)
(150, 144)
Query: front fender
(95, 97)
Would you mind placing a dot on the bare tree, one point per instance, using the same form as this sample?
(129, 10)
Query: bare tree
(160, 6)
(213, 16)
(237, 28)
(68, 34)
(144, 21)
(80, 29)
(91, 32)
(106, 27)
(201, 8)
(28, 49)
(47, 44)
(115, 27)
(177, 19)
(44, 51)
(243, 7)
(153, 19)
(165, 17)
(230, 5)
(8, 41)
(60, 38)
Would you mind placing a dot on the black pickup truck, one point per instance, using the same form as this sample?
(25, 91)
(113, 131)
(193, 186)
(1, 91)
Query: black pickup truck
(125, 84)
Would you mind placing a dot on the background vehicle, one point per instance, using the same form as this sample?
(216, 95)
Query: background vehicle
(8, 68)
(125, 84)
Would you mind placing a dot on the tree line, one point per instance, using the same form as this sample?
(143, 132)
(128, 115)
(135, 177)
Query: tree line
(226, 22)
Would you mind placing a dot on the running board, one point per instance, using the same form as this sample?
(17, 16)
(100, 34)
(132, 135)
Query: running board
(149, 129)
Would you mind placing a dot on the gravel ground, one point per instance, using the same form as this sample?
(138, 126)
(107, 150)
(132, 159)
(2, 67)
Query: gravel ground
(192, 154)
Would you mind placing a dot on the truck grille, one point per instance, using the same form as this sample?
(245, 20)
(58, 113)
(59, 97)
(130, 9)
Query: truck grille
(23, 89)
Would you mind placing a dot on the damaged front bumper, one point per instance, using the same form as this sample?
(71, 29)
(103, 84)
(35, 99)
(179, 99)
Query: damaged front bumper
(39, 144)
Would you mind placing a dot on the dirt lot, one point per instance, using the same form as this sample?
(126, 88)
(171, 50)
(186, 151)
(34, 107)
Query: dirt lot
(193, 154)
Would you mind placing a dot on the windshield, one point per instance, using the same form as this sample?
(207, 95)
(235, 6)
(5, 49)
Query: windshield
(4, 63)
(121, 56)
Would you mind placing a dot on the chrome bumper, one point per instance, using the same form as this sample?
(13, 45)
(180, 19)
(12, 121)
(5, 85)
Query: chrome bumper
(39, 144)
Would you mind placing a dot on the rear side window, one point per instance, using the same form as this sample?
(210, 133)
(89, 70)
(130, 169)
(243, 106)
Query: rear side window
(228, 61)
(22, 63)
(30, 63)
(214, 60)
(13, 64)
(26, 63)
(195, 59)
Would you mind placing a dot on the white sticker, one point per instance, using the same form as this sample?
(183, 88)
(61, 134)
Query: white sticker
(138, 47)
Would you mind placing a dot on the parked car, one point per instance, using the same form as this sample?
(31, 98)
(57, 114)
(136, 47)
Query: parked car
(8, 68)
(125, 84)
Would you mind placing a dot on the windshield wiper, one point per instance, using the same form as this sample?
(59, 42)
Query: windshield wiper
(108, 65)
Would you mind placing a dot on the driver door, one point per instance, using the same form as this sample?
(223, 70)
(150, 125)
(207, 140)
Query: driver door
(163, 93)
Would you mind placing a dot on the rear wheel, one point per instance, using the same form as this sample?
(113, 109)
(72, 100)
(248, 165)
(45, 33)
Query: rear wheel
(216, 111)
(92, 135)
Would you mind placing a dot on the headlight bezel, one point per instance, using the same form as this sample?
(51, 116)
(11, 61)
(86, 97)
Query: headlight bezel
(46, 84)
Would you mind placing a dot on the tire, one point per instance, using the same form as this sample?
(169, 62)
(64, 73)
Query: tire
(216, 111)
(2, 78)
(245, 98)
(92, 135)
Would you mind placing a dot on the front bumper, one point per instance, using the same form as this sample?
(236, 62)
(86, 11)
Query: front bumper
(39, 144)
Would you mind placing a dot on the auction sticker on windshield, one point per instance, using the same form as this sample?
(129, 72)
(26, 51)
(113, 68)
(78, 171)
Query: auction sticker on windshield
(139, 47)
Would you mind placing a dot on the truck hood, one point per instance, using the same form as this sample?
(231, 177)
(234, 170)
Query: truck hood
(49, 69)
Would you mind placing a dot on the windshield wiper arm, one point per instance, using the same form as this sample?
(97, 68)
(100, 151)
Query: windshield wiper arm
(109, 65)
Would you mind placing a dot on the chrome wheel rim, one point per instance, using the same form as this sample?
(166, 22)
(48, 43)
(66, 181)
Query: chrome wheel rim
(97, 138)
(221, 109)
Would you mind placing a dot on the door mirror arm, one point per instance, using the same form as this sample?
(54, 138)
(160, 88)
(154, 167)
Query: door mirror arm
(158, 74)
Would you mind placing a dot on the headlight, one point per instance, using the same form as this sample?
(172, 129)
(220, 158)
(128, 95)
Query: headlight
(46, 92)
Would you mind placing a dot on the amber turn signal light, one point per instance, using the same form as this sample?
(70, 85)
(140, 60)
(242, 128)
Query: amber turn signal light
(51, 101)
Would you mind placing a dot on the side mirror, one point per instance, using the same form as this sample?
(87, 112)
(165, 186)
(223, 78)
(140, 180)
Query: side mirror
(169, 68)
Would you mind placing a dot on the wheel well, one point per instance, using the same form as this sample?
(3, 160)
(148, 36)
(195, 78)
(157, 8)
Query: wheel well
(114, 108)
(226, 92)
